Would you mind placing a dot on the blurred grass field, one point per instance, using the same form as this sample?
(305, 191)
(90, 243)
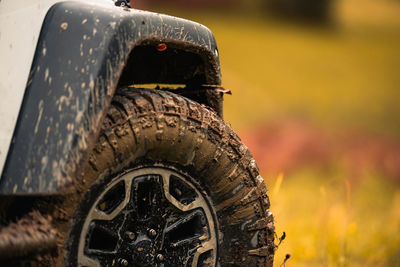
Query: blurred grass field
(331, 222)
(344, 77)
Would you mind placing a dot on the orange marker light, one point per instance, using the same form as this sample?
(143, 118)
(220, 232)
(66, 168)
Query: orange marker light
(161, 47)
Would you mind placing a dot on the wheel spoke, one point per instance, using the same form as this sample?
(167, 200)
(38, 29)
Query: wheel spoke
(189, 229)
(205, 249)
(181, 191)
(105, 260)
(102, 238)
(196, 202)
(85, 261)
(102, 247)
(98, 214)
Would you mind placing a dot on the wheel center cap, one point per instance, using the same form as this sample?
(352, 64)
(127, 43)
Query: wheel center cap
(143, 252)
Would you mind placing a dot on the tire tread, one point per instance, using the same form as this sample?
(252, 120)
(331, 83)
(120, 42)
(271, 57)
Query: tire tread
(241, 193)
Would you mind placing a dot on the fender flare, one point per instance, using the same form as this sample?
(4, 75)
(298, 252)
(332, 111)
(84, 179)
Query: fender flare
(81, 53)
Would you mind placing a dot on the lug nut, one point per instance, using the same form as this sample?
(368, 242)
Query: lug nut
(130, 235)
(123, 262)
(152, 233)
(160, 257)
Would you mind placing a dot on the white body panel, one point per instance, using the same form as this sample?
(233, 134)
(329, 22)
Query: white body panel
(20, 24)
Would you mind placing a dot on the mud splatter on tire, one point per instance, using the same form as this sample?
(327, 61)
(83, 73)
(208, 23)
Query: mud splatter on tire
(157, 128)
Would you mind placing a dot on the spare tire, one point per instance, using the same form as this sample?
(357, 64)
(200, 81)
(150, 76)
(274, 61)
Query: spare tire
(167, 184)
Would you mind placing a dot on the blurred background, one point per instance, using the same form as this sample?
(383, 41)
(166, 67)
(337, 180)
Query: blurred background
(316, 98)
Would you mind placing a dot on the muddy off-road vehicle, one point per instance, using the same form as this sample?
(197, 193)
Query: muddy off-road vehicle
(97, 170)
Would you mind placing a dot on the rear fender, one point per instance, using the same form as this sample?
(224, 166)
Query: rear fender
(82, 53)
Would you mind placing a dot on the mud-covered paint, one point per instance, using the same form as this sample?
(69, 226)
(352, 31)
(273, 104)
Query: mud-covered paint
(20, 25)
(80, 55)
